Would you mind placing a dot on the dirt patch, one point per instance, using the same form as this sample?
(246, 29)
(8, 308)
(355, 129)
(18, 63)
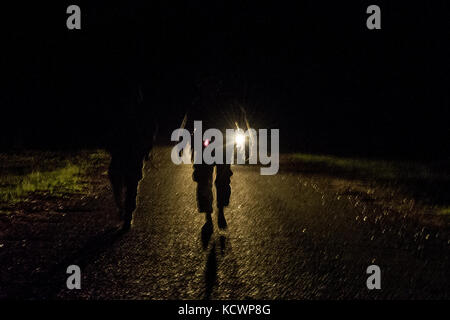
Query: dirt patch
(41, 228)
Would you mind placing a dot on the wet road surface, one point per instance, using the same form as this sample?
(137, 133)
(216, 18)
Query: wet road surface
(288, 237)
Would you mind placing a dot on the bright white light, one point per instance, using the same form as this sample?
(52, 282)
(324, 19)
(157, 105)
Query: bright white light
(240, 140)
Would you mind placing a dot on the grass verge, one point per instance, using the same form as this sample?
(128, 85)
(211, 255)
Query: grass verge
(428, 182)
(46, 174)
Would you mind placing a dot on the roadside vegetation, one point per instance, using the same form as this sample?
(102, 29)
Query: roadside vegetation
(427, 182)
(46, 175)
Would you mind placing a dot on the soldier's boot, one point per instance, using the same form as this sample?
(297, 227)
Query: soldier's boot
(204, 197)
(221, 221)
(130, 203)
(223, 188)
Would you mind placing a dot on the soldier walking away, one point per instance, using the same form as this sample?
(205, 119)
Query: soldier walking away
(213, 109)
(129, 143)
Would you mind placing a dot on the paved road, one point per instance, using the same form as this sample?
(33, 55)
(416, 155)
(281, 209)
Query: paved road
(289, 236)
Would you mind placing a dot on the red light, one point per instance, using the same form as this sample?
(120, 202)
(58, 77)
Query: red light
(206, 142)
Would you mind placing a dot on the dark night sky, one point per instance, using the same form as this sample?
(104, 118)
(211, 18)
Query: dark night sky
(313, 68)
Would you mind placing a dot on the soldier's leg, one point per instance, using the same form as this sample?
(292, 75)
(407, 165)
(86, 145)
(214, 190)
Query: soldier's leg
(203, 176)
(134, 175)
(223, 189)
(116, 177)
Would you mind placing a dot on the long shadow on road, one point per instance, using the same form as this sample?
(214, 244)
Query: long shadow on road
(50, 283)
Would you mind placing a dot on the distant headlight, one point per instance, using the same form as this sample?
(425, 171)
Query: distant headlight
(240, 140)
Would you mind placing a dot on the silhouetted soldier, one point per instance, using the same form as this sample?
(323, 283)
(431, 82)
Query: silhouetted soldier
(213, 109)
(129, 144)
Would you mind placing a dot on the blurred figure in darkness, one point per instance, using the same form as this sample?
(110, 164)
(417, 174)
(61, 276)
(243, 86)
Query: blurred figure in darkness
(129, 143)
